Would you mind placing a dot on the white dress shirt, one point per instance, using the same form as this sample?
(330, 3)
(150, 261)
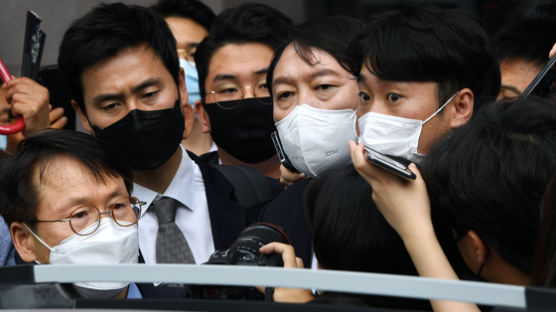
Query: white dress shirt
(188, 188)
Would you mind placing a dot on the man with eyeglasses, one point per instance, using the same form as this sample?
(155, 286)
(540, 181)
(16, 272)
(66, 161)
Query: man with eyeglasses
(235, 106)
(66, 199)
(121, 64)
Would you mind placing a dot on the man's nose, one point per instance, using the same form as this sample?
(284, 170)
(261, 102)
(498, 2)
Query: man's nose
(248, 92)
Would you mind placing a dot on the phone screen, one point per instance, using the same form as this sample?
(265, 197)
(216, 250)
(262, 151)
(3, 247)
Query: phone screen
(544, 84)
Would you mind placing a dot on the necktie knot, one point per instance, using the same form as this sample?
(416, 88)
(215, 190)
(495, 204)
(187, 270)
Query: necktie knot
(165, 209)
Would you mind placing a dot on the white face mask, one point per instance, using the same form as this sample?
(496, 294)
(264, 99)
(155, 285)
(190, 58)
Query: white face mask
(395, 136)
(191, 81)
(109, 244)
(317, 139)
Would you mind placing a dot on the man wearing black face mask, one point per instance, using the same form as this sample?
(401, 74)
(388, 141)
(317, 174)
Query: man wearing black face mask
(122, 67)
(235, 105)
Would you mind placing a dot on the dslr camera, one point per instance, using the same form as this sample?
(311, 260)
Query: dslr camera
(244, 251)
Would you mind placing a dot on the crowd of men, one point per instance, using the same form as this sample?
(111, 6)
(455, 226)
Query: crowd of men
(181, 107)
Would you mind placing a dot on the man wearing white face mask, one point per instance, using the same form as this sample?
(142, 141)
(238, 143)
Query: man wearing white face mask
(422, 72)
(65, 198)
(314, 97)
(190, 22)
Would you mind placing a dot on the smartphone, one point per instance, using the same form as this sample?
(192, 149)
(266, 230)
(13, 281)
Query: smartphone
(280, 151)
(390, 164)
(544, 84)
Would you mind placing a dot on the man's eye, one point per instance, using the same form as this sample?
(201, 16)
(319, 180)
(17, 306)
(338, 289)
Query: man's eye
(228, 90)
(324, 86)
(393, 97)
(121, 206)
(109, 107)
(364, 97)
(284, 95)
(150, 95)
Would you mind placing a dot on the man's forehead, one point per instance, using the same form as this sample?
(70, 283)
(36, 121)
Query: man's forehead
(128, 67)
(63, 181)
(60, 172)
(241, 59)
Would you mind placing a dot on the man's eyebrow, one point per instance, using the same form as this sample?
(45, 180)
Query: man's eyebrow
(511, 88)
(72, 202)
(145, 84)
(120, 96)
(261, 71)
(81, 200)
(361, 78)
(283, 79)
(107, 97)
(118, 192)
(290, 80)
(324, 72)
(221, 77)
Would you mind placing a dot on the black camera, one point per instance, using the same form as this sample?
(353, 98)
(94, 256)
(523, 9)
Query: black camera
(244, 251)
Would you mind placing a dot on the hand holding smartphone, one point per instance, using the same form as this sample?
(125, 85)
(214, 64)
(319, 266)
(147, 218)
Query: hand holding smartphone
(390, 164)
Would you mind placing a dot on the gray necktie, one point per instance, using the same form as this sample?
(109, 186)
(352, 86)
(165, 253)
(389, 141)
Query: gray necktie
(171, 245)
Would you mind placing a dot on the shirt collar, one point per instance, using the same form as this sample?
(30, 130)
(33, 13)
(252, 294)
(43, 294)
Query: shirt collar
(181, 188)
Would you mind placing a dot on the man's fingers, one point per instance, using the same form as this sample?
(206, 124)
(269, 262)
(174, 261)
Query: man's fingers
(369, 171)
(299, 263)
(59, 123)
(287, 252)
(415, 170)
(55, 114)
(288, 177)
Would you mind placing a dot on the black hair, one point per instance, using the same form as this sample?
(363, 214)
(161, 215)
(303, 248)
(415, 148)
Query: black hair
(107, 30)
(528, 33)
(19, 195)
(247, 23)
(490, 174)
(331, 34)
(426, 43)
(544, 261)
(195, 10)
(349, 232)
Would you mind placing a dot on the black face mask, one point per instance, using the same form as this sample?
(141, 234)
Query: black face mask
(244, 131)
(145, 139)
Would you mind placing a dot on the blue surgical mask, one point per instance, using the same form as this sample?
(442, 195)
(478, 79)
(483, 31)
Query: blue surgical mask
(3, 142)
(191, 81)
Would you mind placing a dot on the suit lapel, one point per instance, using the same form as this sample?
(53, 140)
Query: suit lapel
(227, 217)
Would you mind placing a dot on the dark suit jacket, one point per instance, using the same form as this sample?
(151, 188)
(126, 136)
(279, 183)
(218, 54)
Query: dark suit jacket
(286, 211)
(227, 219)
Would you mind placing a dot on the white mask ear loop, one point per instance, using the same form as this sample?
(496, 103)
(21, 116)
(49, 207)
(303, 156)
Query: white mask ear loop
(441, 107)
(37, 237)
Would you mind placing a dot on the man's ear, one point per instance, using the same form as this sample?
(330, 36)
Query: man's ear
(202, 116)
(24, 242)
(82, 117)
(189, 119)
(479, 247)
(462, 108)
(182, 88)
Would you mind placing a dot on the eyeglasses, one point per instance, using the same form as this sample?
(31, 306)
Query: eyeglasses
(85, 220)
(225, 93)
(188, 53)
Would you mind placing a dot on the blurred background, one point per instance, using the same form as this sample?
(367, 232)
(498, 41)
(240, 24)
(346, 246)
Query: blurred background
(58, 14)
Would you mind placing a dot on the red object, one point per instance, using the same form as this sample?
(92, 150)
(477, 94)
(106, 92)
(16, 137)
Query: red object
(19, 125)
(4, 74)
